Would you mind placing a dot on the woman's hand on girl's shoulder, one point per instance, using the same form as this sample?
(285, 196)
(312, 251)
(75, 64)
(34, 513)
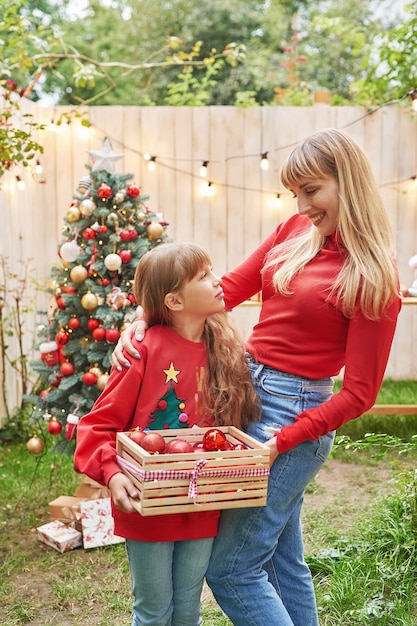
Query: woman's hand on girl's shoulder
(136, 328)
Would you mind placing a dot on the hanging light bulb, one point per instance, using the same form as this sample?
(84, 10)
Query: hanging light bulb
(413, 97)
(152, 163)
(208, 189)
(264, 164)
(38, 167)
(203, 169)
(20, 183)
(278, 201)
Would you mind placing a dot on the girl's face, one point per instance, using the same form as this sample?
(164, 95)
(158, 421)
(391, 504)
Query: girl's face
(203, 295)
(318, 199)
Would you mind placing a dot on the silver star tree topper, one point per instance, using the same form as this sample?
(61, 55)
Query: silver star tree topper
(105, 159)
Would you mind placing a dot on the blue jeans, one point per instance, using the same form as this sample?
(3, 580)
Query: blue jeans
(257, 570)
(167, 580)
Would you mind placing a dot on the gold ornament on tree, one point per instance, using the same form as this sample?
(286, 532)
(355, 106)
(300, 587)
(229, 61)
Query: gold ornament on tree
(35, 445)
(155, 231)
(78, 274)
(89, 301)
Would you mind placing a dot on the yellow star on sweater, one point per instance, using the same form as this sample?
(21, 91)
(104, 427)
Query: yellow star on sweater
(171, 373)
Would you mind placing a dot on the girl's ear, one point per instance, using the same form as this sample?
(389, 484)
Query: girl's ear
(173, 301)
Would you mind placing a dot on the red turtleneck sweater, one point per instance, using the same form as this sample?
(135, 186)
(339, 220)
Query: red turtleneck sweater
(304, 335)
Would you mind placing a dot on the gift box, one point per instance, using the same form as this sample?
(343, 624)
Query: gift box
(97, 523)
(91, 490)
(66, 509)
(59, 536)
(200, 480)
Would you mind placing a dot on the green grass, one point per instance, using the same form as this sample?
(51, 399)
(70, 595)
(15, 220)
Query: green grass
(363, 577)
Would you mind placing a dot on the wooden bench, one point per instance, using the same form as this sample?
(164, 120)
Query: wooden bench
(393, 409)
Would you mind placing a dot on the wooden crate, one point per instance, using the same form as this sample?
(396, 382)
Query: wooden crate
(196, 481)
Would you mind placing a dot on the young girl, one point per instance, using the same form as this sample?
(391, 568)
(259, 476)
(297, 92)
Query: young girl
(330, 300)
(192, 354)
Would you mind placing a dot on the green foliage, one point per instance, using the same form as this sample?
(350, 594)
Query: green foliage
(370, 578)
(393, 71)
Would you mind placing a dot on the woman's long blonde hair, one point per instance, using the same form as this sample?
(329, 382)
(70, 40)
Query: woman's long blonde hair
(363, 226)
(228, 394)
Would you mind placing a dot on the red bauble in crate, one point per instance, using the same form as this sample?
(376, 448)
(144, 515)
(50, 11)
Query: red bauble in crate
(178, 446)
(137, 435)
(214, 439)
(153, 442)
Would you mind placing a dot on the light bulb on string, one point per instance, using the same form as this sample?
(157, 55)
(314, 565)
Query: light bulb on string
(20, 183)
(203, 169)
(413, 97)
(264, 164)
(152, 163)
(208, 189)
(414, 178)
(278, 201)
(38, 167)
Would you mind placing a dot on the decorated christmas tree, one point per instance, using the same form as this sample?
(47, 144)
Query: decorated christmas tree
(107, 228)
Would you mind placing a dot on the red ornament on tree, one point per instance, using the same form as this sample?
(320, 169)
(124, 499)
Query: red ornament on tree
(60, 303)
(54, 426)
(104, 191)
(112, 335)
(99, 333)
(105, 282)
(133, 191)
(92, 323)
(61, 337)
(89, 379)
(67, 369)
(89, 233)
(125, 255)
(74, 323)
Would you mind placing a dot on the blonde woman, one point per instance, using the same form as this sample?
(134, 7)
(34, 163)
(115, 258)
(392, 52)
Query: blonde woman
(330, 299)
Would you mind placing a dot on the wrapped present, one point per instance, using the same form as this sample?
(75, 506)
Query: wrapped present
(91, 490)
(97, 523)
(59, 536)
(66, 509)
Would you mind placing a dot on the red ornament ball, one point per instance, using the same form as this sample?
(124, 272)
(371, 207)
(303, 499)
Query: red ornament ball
(104, 191)
(61, 337)
(105, 282)
(125, 255)
(92, 323)
(67, 368)
(133, 191)
(112, 335)
(60, 303)
(214, 439)
(99, 333)
(89, 233)
(74, 323)
(89, 379)
(54, 426)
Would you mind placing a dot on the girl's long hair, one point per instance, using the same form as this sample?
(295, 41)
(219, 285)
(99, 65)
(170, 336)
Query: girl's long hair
(363, 226)
(228, 394)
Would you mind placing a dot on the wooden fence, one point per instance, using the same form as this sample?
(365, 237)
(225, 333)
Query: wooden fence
(229, 217)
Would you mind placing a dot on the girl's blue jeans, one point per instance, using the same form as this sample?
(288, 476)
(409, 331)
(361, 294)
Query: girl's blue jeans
(167, 581)
(257, 570)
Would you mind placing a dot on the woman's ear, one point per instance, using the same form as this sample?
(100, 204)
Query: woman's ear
(173, 301)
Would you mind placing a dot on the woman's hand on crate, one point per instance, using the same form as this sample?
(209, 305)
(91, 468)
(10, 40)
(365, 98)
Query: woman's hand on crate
(122, 489)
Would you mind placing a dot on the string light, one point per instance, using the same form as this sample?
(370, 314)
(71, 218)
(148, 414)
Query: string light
(413, 97)
(20, 183)
(152, 163)
(264, 164)
(38, 167)
(203, 169)
(278, 201)
(208, 189)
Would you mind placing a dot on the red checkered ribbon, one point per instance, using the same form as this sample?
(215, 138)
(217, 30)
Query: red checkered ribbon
(193, 475)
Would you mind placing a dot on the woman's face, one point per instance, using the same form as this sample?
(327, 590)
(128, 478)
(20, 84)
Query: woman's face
(318, 199)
